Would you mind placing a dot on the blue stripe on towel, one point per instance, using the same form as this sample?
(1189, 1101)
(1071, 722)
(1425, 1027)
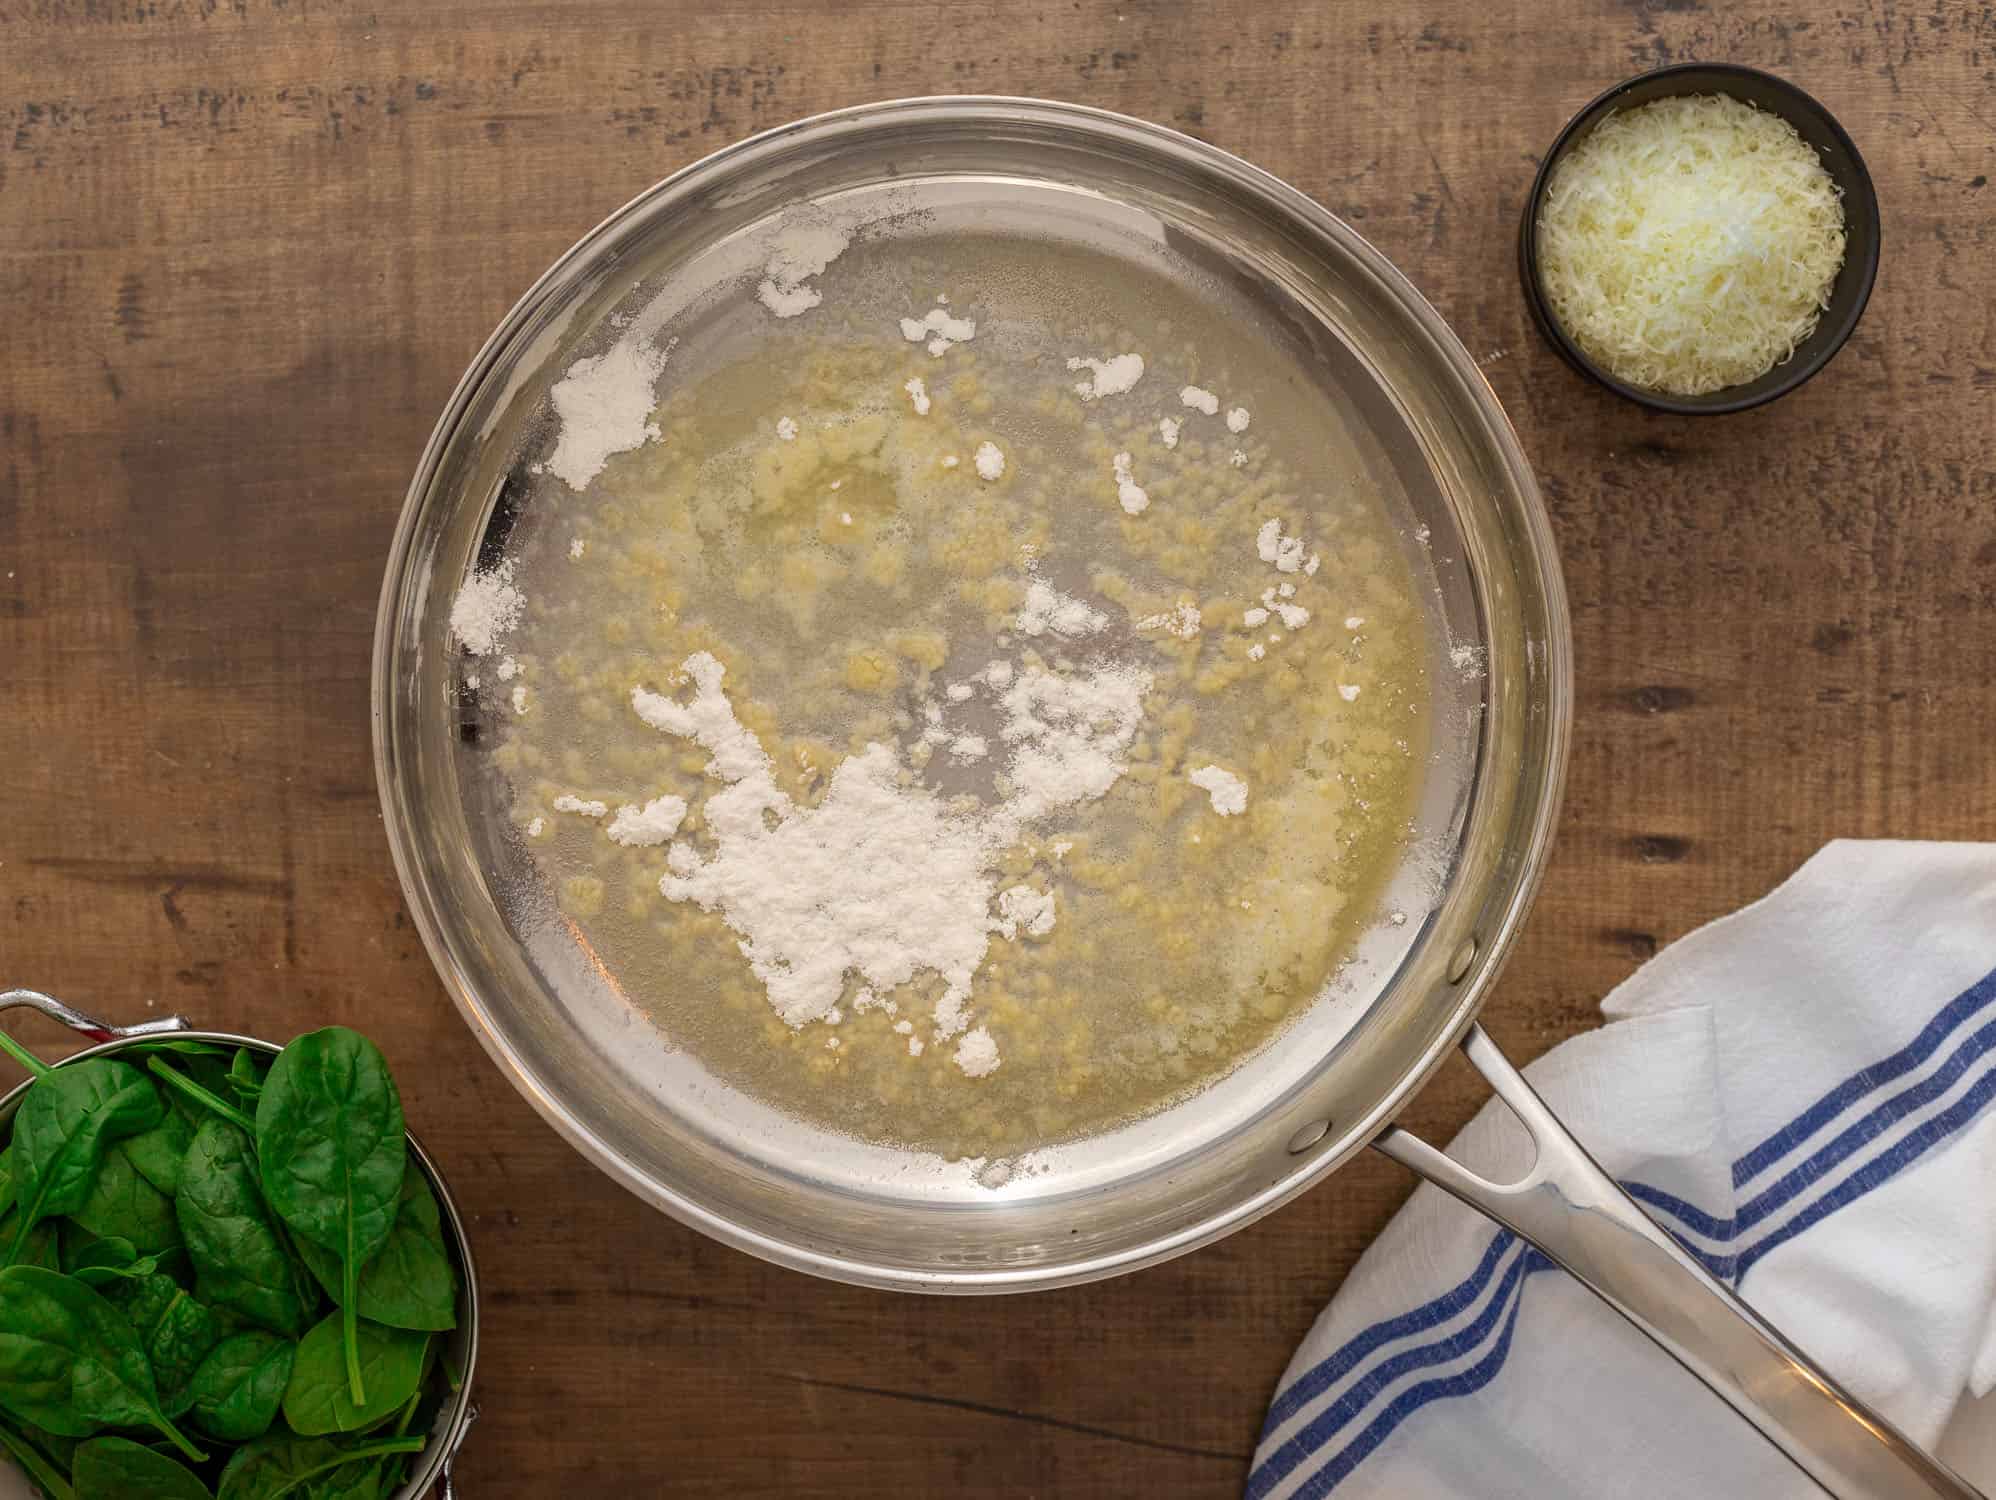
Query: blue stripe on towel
(1718, 1262)
(1730, 1266)
(1970, 1001)
(1334, 1366)
(1690, 1215)
(1880, 1170)
(1411, 1400)
(1819, 1165)
(1866, 1130)
(1363, 1391)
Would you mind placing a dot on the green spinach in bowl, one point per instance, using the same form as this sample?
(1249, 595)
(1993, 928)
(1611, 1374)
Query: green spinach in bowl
(222, 1277)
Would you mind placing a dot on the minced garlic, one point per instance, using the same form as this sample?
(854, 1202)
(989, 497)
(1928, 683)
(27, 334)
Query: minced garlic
(1690, 244)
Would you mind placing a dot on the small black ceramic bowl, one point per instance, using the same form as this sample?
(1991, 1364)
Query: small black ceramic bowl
(1819, 128)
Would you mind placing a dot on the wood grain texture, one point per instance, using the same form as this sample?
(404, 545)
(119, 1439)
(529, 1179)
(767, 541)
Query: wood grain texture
(245, 250)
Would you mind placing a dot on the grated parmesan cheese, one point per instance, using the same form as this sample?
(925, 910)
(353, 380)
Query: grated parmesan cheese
(1690, 244)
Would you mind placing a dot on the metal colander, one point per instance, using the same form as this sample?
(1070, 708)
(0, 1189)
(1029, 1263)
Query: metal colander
(431, 1472)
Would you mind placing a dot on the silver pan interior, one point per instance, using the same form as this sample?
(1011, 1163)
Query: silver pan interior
(711, 1156)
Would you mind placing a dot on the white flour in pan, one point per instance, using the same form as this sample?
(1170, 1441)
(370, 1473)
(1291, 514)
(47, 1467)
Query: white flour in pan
(797, 253)
(486, 608)
(880, 880)
(1115, 376)
(604, 404)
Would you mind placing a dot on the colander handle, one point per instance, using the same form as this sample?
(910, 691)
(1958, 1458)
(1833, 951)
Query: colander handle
(447, 1481)
(82, 1025)
(1580, 1217)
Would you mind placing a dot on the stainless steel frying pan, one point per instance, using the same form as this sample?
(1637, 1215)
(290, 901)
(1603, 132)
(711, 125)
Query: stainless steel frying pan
(1448, 462)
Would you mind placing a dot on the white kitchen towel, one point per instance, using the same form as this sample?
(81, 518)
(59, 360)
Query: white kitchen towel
(1805, 1094)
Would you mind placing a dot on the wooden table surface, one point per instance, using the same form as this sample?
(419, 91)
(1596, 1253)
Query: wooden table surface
(247, 246)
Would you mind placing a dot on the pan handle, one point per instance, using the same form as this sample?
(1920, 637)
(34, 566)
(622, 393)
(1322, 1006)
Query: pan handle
(1577, 1214)
(90, 1026)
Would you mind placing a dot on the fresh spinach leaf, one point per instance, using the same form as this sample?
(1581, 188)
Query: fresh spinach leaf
(123, 1205)
(47, 1478)
(182, 1046)
(410, 1283)
(103, 1276)
(329, 1137)
(116, 1468)
(175, 1330)
(159, 1152)
(199, 1094)
(208, 1069)
(278, 1466)
(42, 1247)
(7, 1177)
(81, 1247)
(104, 1261)
(35, 1066)
(357, 1479)
(53, 1446)
(246, 1075)
(241, 1259)
(71, 1362)
(240, 1385)
(318, 1399)
(66, 1122)
(409, 1407)
(420, 1412)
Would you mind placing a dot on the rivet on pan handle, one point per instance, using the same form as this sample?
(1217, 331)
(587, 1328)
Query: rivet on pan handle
(75, 1020)
(1580, 1217)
